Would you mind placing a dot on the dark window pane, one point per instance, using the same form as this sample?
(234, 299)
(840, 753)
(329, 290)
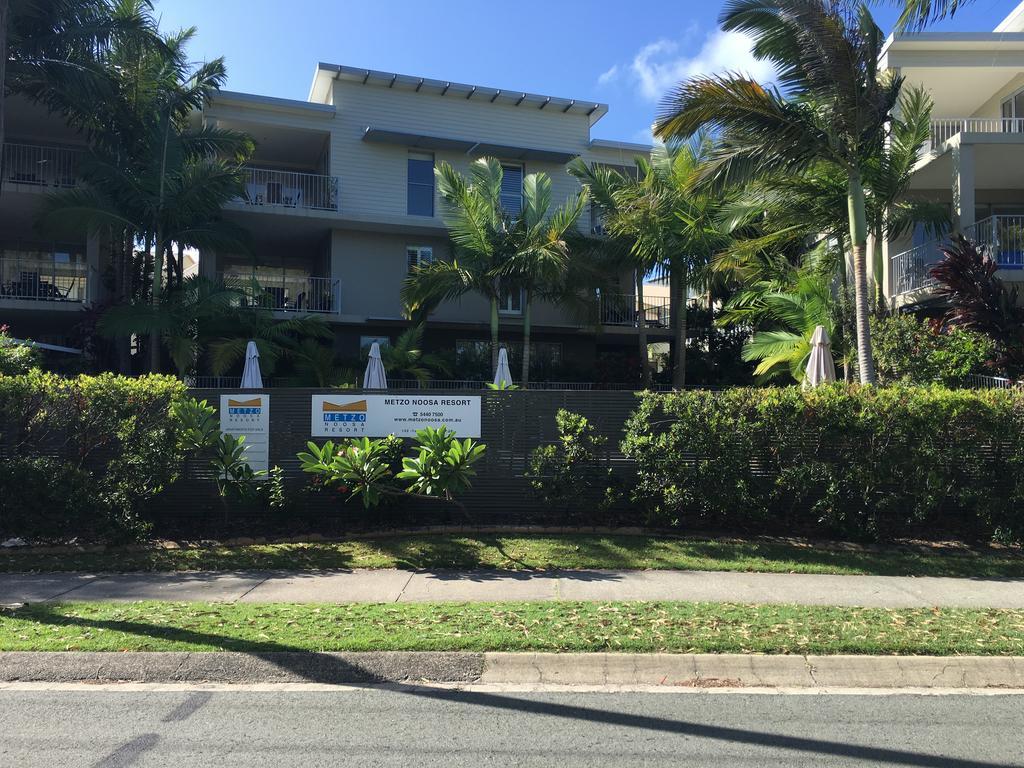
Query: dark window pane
(421, 172)
(421, 200)
(512, 189)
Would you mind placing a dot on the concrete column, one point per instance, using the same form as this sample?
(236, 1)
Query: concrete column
(93, 270)
(963, 187)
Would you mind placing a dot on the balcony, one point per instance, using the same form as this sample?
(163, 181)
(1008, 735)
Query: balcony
(304, 294)
(1002, 237)
(946, 128)
(39, 166)
(287, 189)
(624, 310)
(40, 280)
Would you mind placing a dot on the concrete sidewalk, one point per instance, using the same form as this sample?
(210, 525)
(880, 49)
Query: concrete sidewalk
(391, 586)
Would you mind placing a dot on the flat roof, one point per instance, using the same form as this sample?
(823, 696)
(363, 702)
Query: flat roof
(325, 73)
(270, 102)
(468, 146)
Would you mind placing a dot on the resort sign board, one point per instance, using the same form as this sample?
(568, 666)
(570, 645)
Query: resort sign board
(249, 415)
(400, 415)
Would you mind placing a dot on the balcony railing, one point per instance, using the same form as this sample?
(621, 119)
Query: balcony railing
(36, 165)
(1002, 237)
(624, 309)
(287, 189)
(288, 294)
(946, 128)
(39, 280)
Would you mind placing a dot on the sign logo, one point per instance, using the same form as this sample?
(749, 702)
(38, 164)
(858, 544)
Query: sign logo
(343, 418)
(253, 406)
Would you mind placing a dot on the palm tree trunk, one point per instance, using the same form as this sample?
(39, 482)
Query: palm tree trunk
(858, 241)
(158, 273)
(527, 302)
(678, 290)
(494, 334)
(5, 20)
(641, 331)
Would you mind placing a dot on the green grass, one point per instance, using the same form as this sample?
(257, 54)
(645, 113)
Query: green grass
(562, 626)
(534, 552)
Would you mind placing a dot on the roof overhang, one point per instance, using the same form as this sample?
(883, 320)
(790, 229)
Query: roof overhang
(320, 91)
(466, 146)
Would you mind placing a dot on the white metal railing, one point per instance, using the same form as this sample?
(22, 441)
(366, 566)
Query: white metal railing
(42, 280)
(981, 381)
(38, 165)
(288, 189)
(1002, 237)
(944, 129)
(624, 309)
(288, 293)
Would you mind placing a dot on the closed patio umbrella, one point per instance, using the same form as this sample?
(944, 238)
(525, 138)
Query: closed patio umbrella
(375, 378)
(251, 378)
(820, 366)
(502, 375)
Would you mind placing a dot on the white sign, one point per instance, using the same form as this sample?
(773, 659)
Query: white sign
(400, 415)
(249, 415)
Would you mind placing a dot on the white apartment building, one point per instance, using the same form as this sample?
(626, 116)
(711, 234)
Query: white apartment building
(975, 160)
(340, 201)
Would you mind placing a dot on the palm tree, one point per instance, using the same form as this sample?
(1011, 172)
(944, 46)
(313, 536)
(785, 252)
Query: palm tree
(539, 258)
(835, 109)
(152, 180)
(478, 230)
(406, 358)
(54, 48)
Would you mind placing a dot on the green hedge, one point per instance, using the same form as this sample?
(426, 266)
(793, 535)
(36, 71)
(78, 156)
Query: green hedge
(866, 463)
(82, 456)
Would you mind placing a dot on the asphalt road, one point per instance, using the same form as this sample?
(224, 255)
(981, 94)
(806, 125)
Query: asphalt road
(432, 727)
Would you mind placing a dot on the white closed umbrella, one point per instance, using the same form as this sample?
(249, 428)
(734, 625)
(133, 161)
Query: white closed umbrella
(251, 378)
(374, 377)
(821, 368)
(502, 375)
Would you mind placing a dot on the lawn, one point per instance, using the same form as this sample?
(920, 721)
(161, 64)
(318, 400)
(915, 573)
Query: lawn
(432, 552)
(642, 627)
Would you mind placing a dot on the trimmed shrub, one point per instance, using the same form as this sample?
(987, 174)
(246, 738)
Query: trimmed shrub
(867, 463)
(909, 351)
(112, 441)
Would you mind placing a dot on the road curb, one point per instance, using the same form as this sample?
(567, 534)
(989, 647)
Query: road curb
(613, 669)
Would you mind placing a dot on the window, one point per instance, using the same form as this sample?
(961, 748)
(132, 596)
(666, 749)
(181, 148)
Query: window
(365, 342)
(421, 184)
(1012, 110)
(512, 189)
(510, 301)
(418, 255)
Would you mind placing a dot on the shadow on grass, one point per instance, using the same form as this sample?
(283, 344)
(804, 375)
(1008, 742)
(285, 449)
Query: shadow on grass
(330, 668)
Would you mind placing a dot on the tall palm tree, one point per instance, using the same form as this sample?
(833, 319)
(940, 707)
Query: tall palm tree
(835, 109)
(539, 256)
(152, 180)
(478, 230)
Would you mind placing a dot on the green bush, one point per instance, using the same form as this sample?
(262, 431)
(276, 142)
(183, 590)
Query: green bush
(15, 359)
(908, 350)
(117, 432)
(570, 476)
(868, 463)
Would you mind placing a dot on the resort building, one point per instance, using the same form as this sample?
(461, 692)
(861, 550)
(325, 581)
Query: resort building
(974, 159)
(341, 202)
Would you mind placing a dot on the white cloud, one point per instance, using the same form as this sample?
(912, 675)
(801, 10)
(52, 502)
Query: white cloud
(657, 66)
(608, 75)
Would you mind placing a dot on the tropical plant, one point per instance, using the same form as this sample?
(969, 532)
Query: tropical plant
(538, 263)
(980, 301)
(834, 107)
(155, 183)
(441, 467)
(229, 334)
(570, 475)
(406, 358)
(915, 351)
(51, 49)
(15, 357)
(315, 364)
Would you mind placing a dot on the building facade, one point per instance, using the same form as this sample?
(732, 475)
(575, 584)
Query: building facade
(340, 201)
(974, 159)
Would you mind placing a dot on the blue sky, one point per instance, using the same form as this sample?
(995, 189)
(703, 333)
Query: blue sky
(624, 53)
